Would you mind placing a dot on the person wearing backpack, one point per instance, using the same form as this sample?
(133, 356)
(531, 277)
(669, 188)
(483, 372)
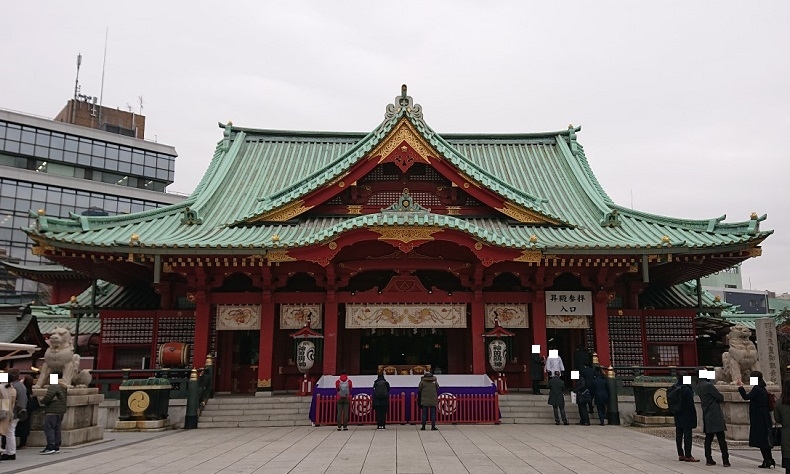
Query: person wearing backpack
(343, 386)
(681, 402)
(759, 418)
(381, 401)
(712, 421)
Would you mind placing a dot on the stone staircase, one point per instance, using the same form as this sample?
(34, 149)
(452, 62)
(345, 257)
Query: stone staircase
(227, 411)
(525, 408)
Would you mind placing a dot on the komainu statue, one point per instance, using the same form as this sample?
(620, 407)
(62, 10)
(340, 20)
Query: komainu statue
(740, 360)
(60, 358)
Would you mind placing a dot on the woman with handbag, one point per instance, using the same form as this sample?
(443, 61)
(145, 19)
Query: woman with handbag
(782, 416)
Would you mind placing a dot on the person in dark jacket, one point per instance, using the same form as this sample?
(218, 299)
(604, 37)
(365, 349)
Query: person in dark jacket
(685, 420)
(536, 363)
(557, 398)
(428, 393)
(587, 373)
(583, 397)
(759, 418)
(600, 393)
(581, 358)
(782, 416)
(23, 427)
(54, 408)
(712, 421)
(381, 401)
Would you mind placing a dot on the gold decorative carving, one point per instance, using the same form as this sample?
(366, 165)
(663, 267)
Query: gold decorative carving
(354, 209)
(341, 184)
(332, 245)
(453, 210)
(167, 268)
(279, 255)
(406, 234)
(478, 246)
(755, 252)
(404, 131)
(283, 213)
(633, 268)
(524, 215)
(264, 383)
(530, 256)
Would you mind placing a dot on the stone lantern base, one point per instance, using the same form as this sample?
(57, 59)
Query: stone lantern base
(80, 423)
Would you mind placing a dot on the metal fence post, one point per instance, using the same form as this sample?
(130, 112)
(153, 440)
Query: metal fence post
(193, 400)
(614, 411)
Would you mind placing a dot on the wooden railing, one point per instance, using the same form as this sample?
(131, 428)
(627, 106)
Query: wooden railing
(452, 409)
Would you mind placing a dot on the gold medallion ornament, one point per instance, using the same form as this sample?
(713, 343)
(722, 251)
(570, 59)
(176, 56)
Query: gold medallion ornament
(139, 401)
(660, 398)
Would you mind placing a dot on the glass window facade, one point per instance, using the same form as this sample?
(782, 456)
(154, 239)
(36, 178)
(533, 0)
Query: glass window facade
(62, 154)
(48, 146)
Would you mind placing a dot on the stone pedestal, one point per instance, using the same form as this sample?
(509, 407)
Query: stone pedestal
(653, 421)
(142, 425)
(80, 423)
(736, 411)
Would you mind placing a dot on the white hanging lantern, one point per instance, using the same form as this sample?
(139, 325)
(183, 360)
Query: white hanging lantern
(497, 354)
(305, 356)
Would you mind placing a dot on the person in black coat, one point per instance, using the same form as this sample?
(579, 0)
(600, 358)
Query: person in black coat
(685, 420)
(712, 421)
(587, 373)
(583, 398)
(536, 363)
(759, 418)
(581, 358)
(600, 393)
(557, 398)
(381, 402)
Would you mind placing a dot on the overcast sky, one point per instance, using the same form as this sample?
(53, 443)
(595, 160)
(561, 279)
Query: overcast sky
(684, 106)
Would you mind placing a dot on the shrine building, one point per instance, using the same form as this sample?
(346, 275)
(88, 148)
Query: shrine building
(401, 248)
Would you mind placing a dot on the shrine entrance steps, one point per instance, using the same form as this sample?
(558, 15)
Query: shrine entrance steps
(239, 411)
(526, 408)
(231, 411)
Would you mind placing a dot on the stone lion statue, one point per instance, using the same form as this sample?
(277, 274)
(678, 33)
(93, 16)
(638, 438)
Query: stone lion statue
(740, 360)
(60, 358)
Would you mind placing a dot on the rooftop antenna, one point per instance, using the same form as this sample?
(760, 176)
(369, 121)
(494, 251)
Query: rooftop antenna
(140, 98)
(76, 87)
(104, 63)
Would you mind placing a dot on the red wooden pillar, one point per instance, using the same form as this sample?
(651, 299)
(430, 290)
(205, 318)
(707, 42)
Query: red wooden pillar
(266, 344)
(601, 323)
(478, 328)
(330, 334)
(478, 324)
(266, 335)
(202, 328)
(539, 322)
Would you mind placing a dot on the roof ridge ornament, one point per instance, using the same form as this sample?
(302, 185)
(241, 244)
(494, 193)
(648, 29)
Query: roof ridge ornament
(406, 204)
(403, 101)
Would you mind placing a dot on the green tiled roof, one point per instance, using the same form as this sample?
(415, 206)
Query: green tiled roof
(747, 320)
(683, 295)
(257, 171)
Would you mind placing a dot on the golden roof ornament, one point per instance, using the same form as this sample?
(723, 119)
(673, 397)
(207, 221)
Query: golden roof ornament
(134, 240)
(753, 216)
(403, 101)
(533, 239)
(275, 238)
(665, 240)
(42, 212)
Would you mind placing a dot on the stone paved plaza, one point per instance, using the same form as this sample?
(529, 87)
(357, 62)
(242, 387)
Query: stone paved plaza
(399, 449)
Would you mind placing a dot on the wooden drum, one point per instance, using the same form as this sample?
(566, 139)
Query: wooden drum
(174, 354)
